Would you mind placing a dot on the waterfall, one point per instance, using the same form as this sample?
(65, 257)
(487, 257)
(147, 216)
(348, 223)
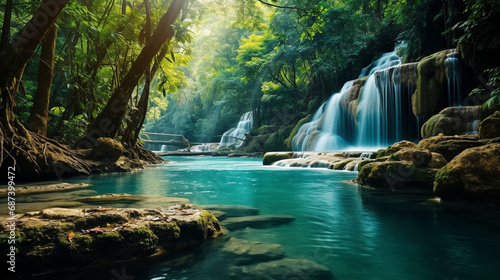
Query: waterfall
(234, 136)
(453, 73)
(164, 148)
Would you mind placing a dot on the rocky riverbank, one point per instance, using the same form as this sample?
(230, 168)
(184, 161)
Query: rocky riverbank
(450, 167)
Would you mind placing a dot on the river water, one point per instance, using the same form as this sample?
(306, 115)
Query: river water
(357, 235)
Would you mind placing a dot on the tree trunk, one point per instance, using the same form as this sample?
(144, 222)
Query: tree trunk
(6, 25)
(109, 120)
(37, 121)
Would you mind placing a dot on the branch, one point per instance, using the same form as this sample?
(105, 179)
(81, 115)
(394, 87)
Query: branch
(282, 7)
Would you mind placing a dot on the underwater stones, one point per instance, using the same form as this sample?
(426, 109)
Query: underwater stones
(490, 127)
(472, 174)
(282, 269)
(449, 146)
(232, 210)
(61, 238)
(106, 149)
(272, 157)
(453, 121)
(257, 221)
(243, 252)
(431, 75)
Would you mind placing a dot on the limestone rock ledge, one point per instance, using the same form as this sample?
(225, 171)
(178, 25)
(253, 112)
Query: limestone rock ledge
(58, 238)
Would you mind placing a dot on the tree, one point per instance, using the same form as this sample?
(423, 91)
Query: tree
(107, 123)
(38, 119)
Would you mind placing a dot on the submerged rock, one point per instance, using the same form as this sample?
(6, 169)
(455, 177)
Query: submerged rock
(244, 252)
(32, 189)
(282, 269)
(59, 238)
(258, 221)
(232, 210)
(472, 174)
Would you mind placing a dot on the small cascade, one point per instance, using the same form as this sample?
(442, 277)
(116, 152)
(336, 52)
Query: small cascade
(203, 147)
(453, 71)
(236, 135)
(363, 156)
(378, 109)
(164, 148)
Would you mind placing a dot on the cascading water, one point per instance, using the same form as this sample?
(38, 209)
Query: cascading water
(453, 72)
(234, 136)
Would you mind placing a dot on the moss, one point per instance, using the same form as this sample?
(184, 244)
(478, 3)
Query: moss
(270, 158)
(288, 141)
(141, 236)
(342, 164)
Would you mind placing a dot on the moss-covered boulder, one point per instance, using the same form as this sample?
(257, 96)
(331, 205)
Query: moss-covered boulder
(490, 127)
(394, 148)
(408, 170)
(453, 121)
(472, 174)
(272, 157)
(59, 238)
(431, 76)
(106, 149)
(449, 146)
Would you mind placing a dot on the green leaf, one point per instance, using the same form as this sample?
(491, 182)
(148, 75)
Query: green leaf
(58, 110)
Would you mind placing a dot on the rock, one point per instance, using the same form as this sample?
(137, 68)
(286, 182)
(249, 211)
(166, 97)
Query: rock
(453, 121)
(244, 252)
(289, 140)
(397, 177)
(272, 157)
(60, 238)
(282, 269)
(106, 149)
(232, 210)
(472, 174)
(395, 147)
(449, 146)
(431, 76)
(490, 127)
(111, 197)
(258, 221)
(32, 189)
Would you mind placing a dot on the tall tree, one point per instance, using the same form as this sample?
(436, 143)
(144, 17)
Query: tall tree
(38, 119)
(109, 120)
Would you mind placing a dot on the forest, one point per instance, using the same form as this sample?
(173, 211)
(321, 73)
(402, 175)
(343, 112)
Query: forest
(75, 71)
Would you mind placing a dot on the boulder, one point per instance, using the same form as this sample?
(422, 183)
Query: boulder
(272, 157)
(258, 221)
(472, 174)
(408, 170)
(395, 147)
(431, 76)
(244, 252)
(106, 149)
(282, 269)
(490, 127)
(453, 121)
(449, 146)
(59, 238)
(289, 140)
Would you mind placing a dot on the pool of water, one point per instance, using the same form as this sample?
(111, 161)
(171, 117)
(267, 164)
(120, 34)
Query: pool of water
(357, 235)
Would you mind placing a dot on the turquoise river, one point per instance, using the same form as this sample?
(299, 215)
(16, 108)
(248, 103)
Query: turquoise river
(357, 235)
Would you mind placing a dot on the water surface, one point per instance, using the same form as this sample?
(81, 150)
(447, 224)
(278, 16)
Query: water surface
(355, 234)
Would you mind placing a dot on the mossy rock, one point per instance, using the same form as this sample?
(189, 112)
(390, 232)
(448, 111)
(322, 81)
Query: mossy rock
(394, 148)
(272, 157)
(431, 75)
(489, 128)
(452, 121)
(289, 140)
(473, 174)
(342, 164)
(449, 146)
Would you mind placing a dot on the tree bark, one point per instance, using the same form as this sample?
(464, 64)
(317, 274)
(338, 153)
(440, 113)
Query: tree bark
(109, 120)
(37, 121)
(6, 25)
